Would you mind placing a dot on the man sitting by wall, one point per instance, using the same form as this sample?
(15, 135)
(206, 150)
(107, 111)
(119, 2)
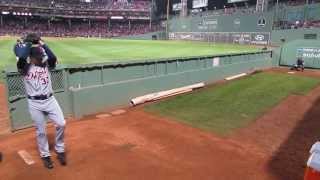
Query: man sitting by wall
(298, 65)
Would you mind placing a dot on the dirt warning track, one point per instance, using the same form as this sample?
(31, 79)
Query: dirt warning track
(4, 116)
(138, 145)
(135, 146)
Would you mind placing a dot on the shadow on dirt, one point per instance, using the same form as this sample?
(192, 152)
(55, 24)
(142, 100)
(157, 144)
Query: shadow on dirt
(289, 161)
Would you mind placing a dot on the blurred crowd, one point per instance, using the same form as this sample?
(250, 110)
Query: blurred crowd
(78, 28)
(228, 11)
(308, 24)
(82, 4)
(299, 18)
(14, 24)
(125, 4)
(298, 2)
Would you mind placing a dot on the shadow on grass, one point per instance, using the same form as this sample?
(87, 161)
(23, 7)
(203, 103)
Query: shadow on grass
(289, 162)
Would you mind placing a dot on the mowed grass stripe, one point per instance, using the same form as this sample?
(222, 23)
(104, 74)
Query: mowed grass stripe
(233, 105)
(83, 51)
(72, 53)
(6, 52)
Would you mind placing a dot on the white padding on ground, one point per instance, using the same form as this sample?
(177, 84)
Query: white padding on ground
(236, 76)
(118, 112)
(26, 157)
(164, 94)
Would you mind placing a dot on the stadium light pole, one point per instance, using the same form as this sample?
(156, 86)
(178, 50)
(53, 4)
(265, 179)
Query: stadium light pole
(151, 13)
(167, 25)
(277, 9)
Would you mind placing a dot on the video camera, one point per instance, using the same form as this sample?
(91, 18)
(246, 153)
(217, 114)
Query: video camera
(32, 45)
(24, 44)
(29, 40)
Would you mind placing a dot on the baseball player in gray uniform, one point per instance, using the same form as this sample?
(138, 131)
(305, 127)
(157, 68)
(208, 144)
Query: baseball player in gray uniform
(35, 62)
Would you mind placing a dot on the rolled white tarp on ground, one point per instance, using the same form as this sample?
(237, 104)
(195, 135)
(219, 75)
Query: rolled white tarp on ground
(164, 94)
(235, 76)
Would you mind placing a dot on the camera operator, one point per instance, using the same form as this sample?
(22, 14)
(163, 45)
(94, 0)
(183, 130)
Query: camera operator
(299, 65)
(18, 48)
(34, 61)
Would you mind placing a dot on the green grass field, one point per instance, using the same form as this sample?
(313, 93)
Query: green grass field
(233, 105)
(84, 51)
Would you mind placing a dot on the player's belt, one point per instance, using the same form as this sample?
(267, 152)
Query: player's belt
(40, 97)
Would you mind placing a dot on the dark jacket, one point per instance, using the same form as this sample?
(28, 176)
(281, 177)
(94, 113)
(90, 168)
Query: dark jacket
(52, 58)
(300, 62)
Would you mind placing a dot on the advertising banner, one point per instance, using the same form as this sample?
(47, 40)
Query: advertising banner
(235, 1)
(199, 3)
(260, 38)
(308, 52)
(254, 38)
(177, 7)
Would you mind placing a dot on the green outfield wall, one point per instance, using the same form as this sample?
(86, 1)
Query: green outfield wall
(223, 23)
(236, 28)
(297, 13)
(133, 81)
(293, 34)
(256, 29)
(308, 50)
(239, 22)
(159, 35)
(85, 89)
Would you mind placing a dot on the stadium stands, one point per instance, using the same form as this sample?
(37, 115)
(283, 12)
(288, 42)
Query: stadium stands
(230, 11)
(295, 15)
(292, 14)
(97, 18)
(77, 28)
(76, 4)
(110, 18)
(140, 4)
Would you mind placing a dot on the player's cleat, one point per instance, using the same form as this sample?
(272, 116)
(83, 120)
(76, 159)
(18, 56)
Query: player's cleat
(62, 158)
(47, 162)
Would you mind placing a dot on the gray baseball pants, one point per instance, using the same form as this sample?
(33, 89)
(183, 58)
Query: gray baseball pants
(40, 110)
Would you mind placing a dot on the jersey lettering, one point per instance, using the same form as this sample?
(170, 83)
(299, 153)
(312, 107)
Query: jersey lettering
(37, 81)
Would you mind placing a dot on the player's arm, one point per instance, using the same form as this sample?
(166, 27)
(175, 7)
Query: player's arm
(52, 58)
